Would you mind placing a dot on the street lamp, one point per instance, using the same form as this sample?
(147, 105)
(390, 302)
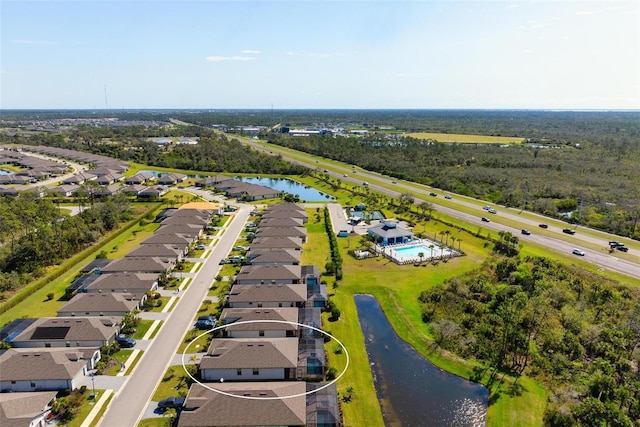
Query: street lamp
(93, 386)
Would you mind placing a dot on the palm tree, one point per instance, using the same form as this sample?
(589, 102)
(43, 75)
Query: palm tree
(420, 255)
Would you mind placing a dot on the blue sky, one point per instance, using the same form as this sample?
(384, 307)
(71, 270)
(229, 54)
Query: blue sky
(320, 54)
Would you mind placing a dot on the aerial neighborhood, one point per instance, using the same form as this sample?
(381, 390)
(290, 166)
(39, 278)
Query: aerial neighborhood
(270, 343)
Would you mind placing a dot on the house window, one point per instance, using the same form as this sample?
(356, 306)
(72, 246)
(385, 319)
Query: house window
(67, 344)
(256, 371)
(259, 304)
(13, 382)
(260, 333)
(33, 384)
(47, 344)
(279, 304)
(239, 372)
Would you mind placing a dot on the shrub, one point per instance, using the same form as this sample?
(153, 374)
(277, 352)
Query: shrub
(335, 313)
(331, 374)
(50, 296)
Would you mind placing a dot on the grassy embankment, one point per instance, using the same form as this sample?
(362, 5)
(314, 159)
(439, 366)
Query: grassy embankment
(37, 302)
(397, 289)
(467, 139)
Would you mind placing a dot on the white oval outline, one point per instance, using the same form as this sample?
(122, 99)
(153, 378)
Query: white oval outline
(244, 322)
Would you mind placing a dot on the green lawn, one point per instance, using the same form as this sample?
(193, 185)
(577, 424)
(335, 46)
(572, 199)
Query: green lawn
(175, 382)
(143, 327)
(163, 303)
(475, 139)
(121, 356)
(154, 422)
(397, 289)
(87, 406)
(199, 345)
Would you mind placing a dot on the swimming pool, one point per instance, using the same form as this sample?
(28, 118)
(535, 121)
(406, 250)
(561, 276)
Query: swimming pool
(414, 251)
(410, 252)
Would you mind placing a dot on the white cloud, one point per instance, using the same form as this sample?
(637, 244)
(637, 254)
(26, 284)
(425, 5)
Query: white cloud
(230, 58)
(251, 52)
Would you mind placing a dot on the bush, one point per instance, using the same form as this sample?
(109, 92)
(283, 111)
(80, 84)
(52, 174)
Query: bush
(331, 374)
(50, 296)
(335, 313)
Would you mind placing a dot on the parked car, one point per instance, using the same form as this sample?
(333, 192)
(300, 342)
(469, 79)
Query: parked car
(543, 226)
(125, 341)
(223, 261)
(526, 232)
(485, 219)
(200, 246)
(171, 402)
(569, 231)
(205, 322)
(578, 252)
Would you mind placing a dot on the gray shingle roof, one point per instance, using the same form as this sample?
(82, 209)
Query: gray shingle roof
(263, 353)
(232, 315)
(56, 329)
(268, 293)
(109, 302)
(19, 409)
(209, 408)
(19, 364)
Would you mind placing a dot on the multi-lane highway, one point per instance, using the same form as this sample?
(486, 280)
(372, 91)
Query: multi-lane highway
(594, 244)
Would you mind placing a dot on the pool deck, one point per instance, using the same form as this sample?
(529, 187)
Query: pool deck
(390, 253)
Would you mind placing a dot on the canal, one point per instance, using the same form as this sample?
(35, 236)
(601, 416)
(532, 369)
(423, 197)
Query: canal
(412, 391)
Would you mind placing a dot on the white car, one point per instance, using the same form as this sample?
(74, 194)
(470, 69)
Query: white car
(578, 252)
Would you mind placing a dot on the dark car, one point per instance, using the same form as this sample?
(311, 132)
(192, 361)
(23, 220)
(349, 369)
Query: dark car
(543, 226)
(205, 322)
(433, 194)
(569, 231)
(171, 402)
(526, 232)
(622, 248)
(125, 342)
(615, 244)
(485, 219)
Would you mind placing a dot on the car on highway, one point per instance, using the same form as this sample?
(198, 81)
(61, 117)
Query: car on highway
(526, 232)
(569, 231)
(622, 248)
(432, 194)
(448, 197)
(615, 244)
(486, 208)
(485, 219)
(543, 226)
(492, 211)
(125, 341)
(394, 182)
(577, 252)
(171, 402)
(345, 176)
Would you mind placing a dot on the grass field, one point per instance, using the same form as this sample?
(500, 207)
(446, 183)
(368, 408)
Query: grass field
(396, 289)
(467, 139)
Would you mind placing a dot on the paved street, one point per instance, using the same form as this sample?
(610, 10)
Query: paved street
(131, 401)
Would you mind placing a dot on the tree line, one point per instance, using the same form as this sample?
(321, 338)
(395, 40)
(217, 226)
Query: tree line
(575, 332)
(35, 234)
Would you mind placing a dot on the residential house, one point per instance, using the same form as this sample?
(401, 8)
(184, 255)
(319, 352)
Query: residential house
(28, 370)
(280, 322)
(280, 274)
(80, 178)
(248, 359)
(267, 296)
(205, 407)
(172, 253)
(172, 179)
(311, 359)
(299, 232)
(27, 409)
(212, 181)
(123, 282)
(285, 214)
(67, 190)
(153, 193)
(91, 305)
(140, 178)
(68, 332)
(138, 265)
(281, 222)
(273, 256)
(134, 189)
(323, 408)
(294, 243)
(169, 239)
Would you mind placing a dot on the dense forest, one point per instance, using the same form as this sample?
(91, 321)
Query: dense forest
(580, 166)
(35, 234)
(575, 332)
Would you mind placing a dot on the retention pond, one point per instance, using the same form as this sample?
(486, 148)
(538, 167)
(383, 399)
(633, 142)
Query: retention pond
(412, 391)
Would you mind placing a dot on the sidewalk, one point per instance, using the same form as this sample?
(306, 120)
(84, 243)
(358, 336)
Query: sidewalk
(96, 408)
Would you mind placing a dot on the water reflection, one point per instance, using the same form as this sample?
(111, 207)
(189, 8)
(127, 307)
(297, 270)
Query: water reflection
(412, 391)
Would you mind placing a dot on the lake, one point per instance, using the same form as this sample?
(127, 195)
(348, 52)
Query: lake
(306, 194)
(412, 391)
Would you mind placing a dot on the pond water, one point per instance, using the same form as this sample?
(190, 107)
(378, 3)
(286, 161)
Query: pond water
(412, 391)
(306, 194)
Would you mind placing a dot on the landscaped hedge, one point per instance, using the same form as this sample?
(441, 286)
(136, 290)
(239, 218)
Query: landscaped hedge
(336, 259)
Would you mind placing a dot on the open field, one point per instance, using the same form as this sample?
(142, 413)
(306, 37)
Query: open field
(469, 139)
